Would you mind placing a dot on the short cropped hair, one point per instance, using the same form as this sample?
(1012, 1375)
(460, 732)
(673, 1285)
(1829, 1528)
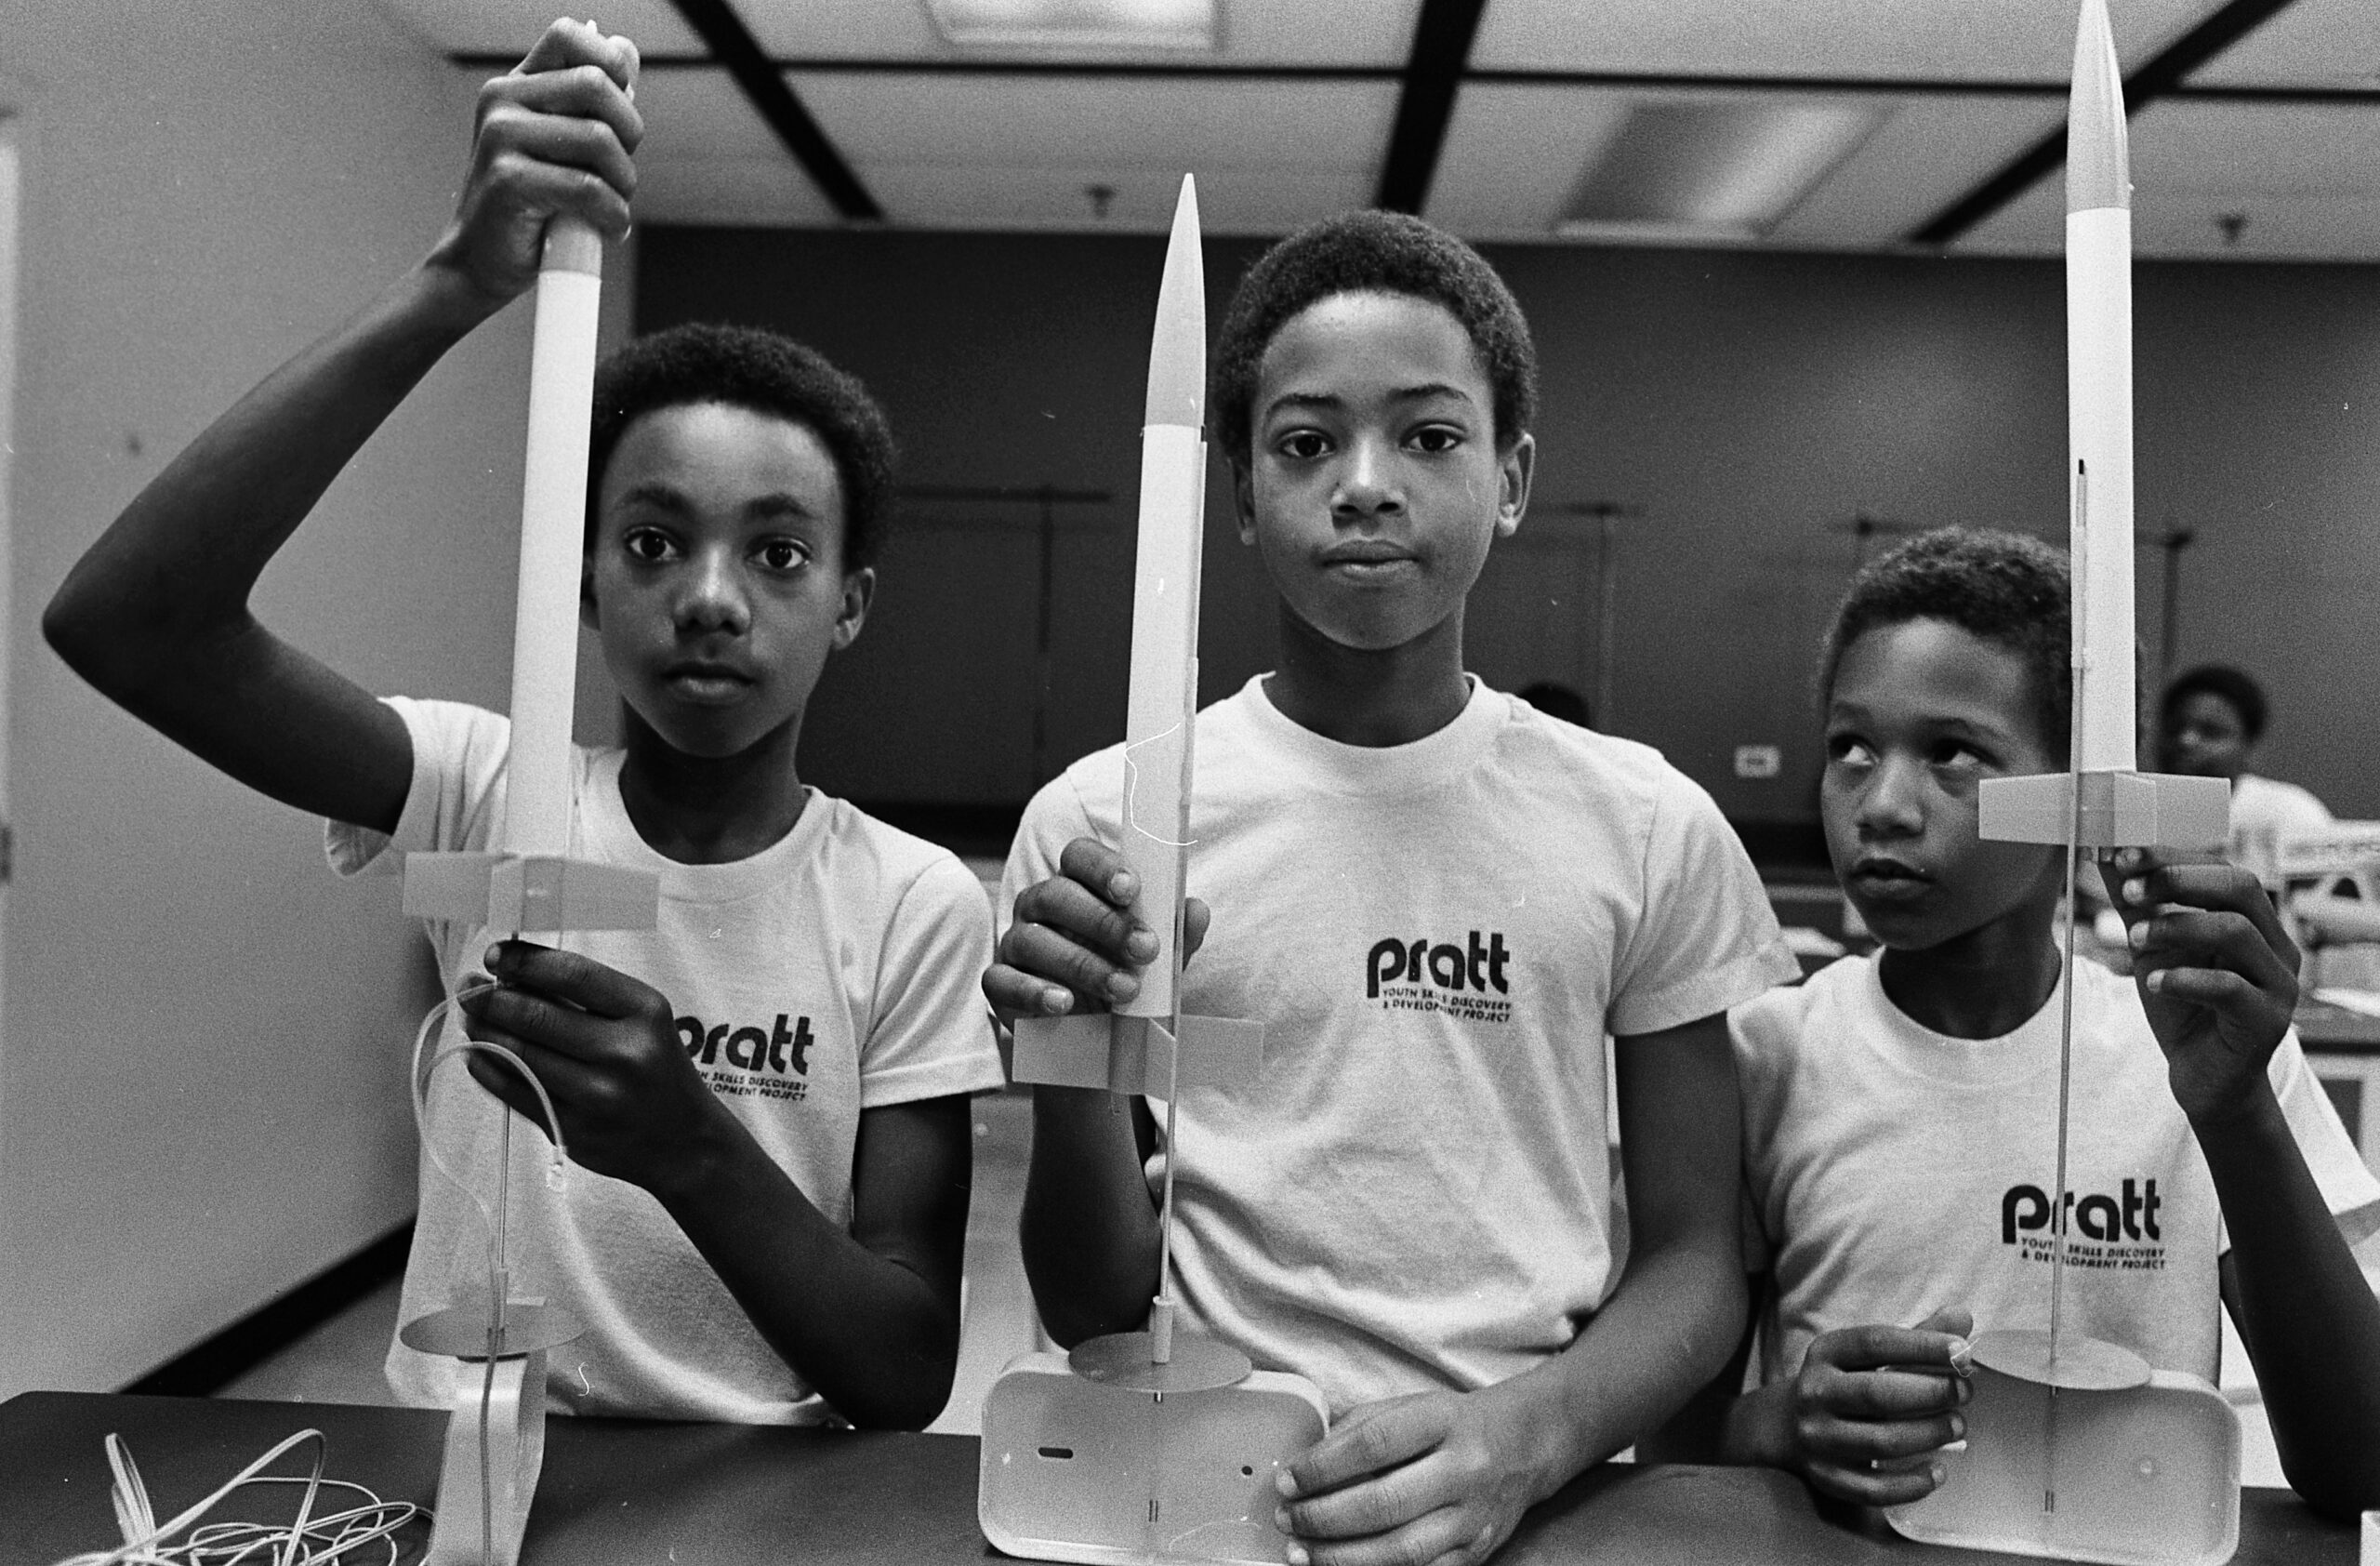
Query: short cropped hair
(2004, 587)
(767, 372)
(1371, 253)
(2233, 685)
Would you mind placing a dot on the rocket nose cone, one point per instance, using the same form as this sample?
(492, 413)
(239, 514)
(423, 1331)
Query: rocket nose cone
(1177, 388)
(2099, 164)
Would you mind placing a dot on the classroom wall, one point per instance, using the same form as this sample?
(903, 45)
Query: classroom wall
(1750, 405)
(201, 1078)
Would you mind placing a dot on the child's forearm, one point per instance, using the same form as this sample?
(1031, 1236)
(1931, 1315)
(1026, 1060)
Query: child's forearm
(871, 1335)
(174, 572)
(1088, 1233)
(1665, 1331)
(2309, 1319)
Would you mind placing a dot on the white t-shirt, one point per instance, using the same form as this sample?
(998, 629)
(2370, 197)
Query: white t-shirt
(835, 971)
(2264, 811)
(1897, 1170)
(1436, 937)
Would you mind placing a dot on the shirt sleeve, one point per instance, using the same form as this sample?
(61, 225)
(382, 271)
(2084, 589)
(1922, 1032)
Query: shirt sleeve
(459, 755)
(1707, 938)
(932, 1035)
(2349, 1187)
(1054, 818)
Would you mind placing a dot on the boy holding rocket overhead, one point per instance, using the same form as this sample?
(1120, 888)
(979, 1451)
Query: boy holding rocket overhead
(1438, 903)
(1901, 1111)
(767, 1092)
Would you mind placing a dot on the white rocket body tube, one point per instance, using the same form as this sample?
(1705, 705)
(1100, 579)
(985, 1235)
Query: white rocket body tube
(553, 517)
(2098, 414)
(1163, 704)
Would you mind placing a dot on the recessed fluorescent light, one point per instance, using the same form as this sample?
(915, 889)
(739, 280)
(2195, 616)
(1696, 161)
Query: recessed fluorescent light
(1139, 24)
(1714, 170)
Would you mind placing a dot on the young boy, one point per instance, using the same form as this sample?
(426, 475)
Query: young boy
(766, 1094)
(1438, 902)
(2209, 723)
(1901, 1111)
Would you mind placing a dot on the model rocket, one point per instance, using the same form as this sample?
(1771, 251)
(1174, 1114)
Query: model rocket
(528, 882)
(1147, 1046)
(2119, 806)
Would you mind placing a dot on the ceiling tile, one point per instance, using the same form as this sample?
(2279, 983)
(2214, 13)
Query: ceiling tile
(1930, 154)
(745, 192)
(1091, 125)
(1915, 39)
(994, 196)
(2313, 43)
(1513, 154)
(510, 26)
(695, 111)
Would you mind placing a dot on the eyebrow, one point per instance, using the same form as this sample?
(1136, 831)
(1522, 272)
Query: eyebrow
(1852, 712)
(662, 497)
(1422, 392)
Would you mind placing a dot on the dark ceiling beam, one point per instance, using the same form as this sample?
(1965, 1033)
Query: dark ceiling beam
(1626, 81)
(1433, 75)
(740, 54)
(2157, 78)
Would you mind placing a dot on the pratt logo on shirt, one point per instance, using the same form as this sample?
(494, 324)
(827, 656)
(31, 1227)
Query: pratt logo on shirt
(1415, 976)
(770, 1054)
(2117, 1231)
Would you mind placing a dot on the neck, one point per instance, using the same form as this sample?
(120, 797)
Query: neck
(710, 810)
(1357, 696)
(1983, 984)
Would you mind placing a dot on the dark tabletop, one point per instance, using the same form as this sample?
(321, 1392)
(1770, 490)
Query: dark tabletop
(621, 1491)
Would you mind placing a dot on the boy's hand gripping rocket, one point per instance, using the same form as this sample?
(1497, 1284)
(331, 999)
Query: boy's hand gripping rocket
(2119, 806)
(1148, 1046)
(530, 883)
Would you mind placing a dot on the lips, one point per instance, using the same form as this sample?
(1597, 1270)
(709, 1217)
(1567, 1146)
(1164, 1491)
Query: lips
(705, 682)
(1364, 557)
(1887, 878)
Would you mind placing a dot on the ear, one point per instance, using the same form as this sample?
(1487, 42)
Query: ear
(589, 615)
(1513, 471)
(859, 592)
(1243, 501)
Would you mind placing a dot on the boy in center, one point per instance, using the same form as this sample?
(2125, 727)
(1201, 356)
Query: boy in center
(1438, 902)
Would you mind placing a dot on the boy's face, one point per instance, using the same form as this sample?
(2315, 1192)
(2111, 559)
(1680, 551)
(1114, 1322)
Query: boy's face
(2204, 736)
(716, 579)
(1374, 486)
(1920, 714)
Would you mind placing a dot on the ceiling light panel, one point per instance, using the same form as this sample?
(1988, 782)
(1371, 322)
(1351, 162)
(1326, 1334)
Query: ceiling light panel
(2313, 43)
(1724, 168)
(1340, 32)
(1924, 40)
(1076, 24)
(510, 26)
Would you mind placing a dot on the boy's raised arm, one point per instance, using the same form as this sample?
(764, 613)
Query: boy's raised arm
(156, 612)
(2218, 978)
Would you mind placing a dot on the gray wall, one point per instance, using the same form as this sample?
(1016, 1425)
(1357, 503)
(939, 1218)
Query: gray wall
(1750, 404)
(201, 1075)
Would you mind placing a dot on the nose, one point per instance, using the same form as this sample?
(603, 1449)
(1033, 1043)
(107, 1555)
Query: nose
(1891, 804)
(1367, 482)
(711, 595)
